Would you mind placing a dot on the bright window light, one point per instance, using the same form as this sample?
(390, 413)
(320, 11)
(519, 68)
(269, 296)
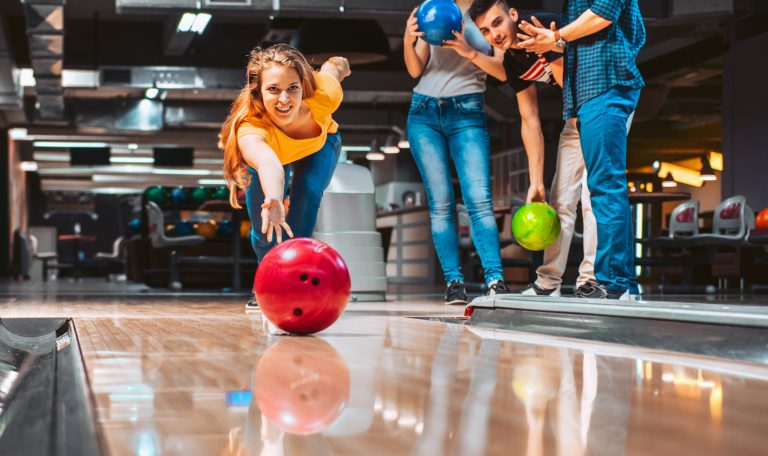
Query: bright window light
(201, 21)
(186, 22)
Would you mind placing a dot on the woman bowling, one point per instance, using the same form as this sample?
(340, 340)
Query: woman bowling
(280, 125)
(446, 123)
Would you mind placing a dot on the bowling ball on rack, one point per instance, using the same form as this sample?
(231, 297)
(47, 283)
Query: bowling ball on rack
(206, 229)
(301, 384)
(761, 222)
(245, 229)
(200, 195)
(156, 194)
(183, 228)
(302, 286)
(536, 226)
(224, 229)
(221, 193)
(438, 19)
(179, 195)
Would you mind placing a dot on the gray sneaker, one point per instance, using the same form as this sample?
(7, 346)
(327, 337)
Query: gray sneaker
(535, 290)
(252, 304)
(496, 288)
(597, 291)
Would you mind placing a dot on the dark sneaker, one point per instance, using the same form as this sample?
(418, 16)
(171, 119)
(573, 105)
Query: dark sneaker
(252, 304)
(455, 293)
(535, 290)
(496, 288)
(595, 291)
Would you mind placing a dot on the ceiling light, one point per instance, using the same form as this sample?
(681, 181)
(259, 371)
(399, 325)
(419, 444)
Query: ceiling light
(201, 21)
(680, 174)
(355, 148)
(186, 22)
(133, 146)
(28, 166)
(152, 93)
(131, 160)
(211, 182)
(390, 147)
(668, 183)
(375, 156)
(68, 144)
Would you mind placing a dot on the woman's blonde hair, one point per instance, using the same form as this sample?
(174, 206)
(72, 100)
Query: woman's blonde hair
(249, 104)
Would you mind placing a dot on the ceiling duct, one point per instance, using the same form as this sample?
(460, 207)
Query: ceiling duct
(45, 34)
(359, 8)
(10, 95)
(319, 39)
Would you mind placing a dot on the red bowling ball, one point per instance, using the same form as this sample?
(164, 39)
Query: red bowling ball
(301, 384)
(302, 286)
(761, 222)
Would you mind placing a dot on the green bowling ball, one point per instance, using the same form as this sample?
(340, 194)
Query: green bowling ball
(221, 193)
(200, 195)
(536, 226)
(156, 194)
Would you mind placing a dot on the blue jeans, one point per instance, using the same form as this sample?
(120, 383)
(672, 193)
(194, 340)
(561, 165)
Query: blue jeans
(603, 129)
(445, 129)
(308, 179)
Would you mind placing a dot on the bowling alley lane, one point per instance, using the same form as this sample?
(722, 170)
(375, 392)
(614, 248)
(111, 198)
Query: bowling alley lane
(205, 378)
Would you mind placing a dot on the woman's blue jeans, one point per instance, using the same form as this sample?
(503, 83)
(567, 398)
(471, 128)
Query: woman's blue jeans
(442, 130)
(308, 179)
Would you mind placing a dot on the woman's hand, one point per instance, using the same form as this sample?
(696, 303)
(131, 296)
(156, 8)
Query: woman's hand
(342, 64)
(412, 32)
(273, 220)
(460, 44)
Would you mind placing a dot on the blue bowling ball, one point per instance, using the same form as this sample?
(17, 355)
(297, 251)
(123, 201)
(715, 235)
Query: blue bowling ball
(438, 19)
(179, 195)
(224, 229)
(134, 226)
(184, 228)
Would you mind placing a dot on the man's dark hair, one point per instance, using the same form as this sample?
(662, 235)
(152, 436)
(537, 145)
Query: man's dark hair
(480, 7)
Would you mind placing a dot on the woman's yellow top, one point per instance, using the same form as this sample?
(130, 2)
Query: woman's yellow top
(322, 104)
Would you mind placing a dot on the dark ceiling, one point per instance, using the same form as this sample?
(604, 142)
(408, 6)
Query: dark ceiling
(683, 62)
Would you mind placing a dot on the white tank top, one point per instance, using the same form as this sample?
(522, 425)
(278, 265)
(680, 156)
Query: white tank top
(448, 74)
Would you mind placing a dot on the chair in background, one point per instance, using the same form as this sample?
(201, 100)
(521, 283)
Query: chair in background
(160, 241)
(45, 257)
(669, 254)
(113, 262)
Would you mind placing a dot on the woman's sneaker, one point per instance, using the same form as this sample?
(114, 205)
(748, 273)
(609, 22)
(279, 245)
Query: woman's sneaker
(535, 290)
(252, 304)
(496, 288)
(455, 293)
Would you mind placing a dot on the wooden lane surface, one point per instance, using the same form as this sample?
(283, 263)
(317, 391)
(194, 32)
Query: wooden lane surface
(390, 385)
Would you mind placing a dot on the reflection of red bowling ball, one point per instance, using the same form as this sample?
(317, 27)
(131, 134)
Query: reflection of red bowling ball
(302, 286)
(301, 384)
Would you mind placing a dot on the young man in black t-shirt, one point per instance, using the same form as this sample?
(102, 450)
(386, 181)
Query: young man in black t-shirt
(499, 24)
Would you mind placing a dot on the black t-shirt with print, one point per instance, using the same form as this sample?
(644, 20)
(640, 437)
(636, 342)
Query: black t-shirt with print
(524, 68)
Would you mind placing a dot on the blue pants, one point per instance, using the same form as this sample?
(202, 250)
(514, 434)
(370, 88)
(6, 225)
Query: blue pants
(308, 179)
(455, 129)
(603, 129)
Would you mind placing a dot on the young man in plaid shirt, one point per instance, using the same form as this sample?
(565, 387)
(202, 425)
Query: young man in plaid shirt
(601, 87)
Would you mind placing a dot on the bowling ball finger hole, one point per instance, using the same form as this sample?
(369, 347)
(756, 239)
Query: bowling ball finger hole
(315, 281)
(298, 312)
(303, 277)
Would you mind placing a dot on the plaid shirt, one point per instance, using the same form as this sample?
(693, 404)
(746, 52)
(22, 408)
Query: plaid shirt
(595, 63)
